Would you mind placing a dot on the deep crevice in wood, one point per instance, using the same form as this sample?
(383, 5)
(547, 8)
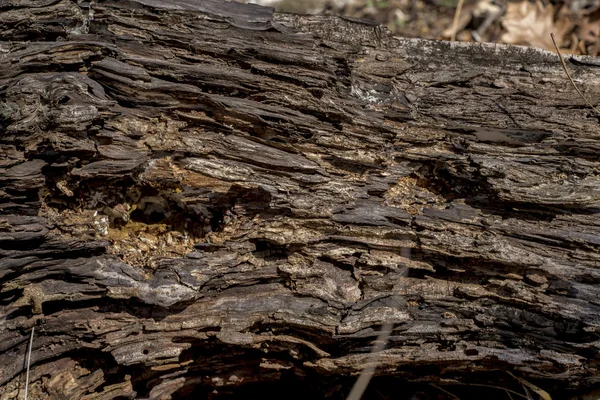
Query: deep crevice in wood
(199, 200)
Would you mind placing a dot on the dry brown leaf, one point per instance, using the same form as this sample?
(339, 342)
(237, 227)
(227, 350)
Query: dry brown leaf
(530, 24)
(589, 31)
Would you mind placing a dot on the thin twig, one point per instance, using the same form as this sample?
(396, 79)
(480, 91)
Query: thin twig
(28, 364)
(455, 20)
(564, 65)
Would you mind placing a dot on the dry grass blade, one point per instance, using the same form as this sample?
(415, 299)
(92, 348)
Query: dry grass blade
(564, 65)
(28, 364)
(365, 376)
(455, 21)
(508, 391)
(540, 392)
(527, 392)
(445, 391)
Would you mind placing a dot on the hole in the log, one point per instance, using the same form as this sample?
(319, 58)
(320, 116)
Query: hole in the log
(21, 245)
(145, 351)
(352, 166)
(25, 311)
(147, 217)
(452, 180)
(345, 264)
(458, 180)
(277, 140)
(327, 344)
(8, 297)
(272, 252)
(57, 306)
(156, 220)
(471, 352)
(446, 345)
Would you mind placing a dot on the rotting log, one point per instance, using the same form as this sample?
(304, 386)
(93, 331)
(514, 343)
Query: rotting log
(203, 199)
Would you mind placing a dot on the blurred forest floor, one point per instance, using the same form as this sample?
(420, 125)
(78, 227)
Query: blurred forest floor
(575, 23)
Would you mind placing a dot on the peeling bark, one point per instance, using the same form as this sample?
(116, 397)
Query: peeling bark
(203, 198)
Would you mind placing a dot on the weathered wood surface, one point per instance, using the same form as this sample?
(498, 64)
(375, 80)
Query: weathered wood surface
(199, 195)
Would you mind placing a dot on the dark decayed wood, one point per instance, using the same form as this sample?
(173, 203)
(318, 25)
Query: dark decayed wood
(197, 196)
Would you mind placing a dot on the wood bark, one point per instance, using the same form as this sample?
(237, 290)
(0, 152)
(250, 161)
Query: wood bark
(202, 199)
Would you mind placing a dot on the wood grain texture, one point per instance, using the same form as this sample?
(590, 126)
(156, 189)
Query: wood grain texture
(200, 196)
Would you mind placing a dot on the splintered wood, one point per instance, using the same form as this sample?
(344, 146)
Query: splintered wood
(200, 197)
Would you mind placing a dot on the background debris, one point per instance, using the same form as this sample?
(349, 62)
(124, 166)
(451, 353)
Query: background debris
(575, 23)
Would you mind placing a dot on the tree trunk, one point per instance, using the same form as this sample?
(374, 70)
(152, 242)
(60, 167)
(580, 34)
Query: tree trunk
(201, 199)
